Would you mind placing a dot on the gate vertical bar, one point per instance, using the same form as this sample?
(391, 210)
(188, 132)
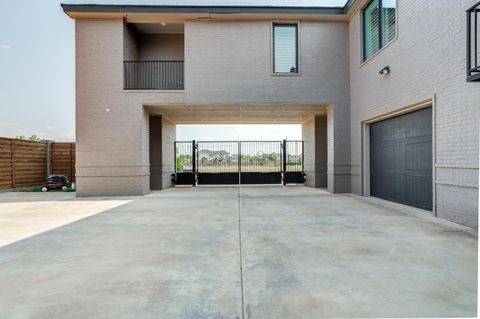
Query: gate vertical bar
(284, 161)
(303, 156)
(174, 162)
(239, 162)
(194, 162)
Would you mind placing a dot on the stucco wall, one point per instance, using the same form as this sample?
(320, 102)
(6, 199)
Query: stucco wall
(427, 62)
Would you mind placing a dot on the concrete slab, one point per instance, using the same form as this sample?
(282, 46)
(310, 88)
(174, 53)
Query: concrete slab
(24, 214)
(340, 256)
(177, 254)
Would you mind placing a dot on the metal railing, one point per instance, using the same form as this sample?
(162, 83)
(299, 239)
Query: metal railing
(153, 75)
(473, 66)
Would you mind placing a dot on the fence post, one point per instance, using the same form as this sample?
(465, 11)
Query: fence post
(72, 163)
(49, 158)
(13, 163)
(194, 162)
(284, 160)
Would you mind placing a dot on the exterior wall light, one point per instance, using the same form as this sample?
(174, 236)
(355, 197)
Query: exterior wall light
(385, 70)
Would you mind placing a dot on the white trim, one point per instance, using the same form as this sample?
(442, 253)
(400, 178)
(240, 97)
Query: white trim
(414, 107)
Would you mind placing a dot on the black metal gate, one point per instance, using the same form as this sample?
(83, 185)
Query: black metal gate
(238, 162)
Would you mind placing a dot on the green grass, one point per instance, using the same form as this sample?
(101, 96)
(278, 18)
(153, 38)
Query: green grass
(69, 189)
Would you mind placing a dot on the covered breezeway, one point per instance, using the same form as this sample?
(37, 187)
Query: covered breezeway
(316, 146)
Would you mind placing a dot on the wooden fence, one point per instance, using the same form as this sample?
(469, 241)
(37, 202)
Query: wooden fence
(27, 163)
(63, 160)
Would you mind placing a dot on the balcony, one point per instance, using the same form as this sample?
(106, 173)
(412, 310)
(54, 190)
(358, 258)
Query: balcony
(473, 66)
(153, 55)
(153, 75)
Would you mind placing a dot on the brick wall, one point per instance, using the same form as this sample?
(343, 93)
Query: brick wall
(111, 124)
(427, 62)
(230, 62)
(226, 62)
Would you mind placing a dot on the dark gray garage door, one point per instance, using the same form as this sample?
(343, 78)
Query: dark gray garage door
(401, 159)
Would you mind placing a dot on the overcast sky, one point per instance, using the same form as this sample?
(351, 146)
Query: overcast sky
(37, 80)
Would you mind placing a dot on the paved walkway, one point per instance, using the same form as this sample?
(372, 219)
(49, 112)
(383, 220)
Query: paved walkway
(229, 252)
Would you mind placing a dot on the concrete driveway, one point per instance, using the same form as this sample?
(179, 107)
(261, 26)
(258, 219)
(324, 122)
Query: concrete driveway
(229, 252)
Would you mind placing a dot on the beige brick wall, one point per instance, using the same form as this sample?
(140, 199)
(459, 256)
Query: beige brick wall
(169, 136)
(427, 62)
(314, 135)
(226, 62)
(161, 47)
(230, 62)
(112, 146)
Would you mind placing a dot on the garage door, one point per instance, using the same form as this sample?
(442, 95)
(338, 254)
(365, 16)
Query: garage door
(401, 159)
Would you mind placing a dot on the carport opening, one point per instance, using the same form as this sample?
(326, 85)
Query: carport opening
(239, 132)
(237, 153)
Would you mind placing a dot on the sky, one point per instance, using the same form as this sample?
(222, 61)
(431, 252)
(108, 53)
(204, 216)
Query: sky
(37, 71)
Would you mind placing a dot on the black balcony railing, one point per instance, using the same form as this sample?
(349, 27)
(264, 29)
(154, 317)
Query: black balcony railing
(473, 66)
(153, 75)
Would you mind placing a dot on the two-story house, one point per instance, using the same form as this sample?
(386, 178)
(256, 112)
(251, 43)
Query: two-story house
(378, 86)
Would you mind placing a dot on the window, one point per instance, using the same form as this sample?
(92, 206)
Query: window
(285, 48)
(379, 26)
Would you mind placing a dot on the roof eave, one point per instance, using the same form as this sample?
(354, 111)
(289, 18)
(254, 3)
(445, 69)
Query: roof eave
(100, 8)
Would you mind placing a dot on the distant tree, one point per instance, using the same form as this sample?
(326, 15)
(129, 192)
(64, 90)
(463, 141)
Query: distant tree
(33, 137)
(273, 157)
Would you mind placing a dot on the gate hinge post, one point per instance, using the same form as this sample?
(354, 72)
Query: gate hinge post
(284, 160)
(194, 162)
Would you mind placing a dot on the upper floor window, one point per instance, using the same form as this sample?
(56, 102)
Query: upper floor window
(285, 48)
(379, 26)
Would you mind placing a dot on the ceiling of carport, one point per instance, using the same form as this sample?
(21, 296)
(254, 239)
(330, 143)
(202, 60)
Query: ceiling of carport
(238, 113)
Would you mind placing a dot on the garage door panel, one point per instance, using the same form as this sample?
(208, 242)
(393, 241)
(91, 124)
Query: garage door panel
(401, 159)
(385, 157)
(418, 194)
(419, 156)
(400, 187)
(383, 185)
(419, 124)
